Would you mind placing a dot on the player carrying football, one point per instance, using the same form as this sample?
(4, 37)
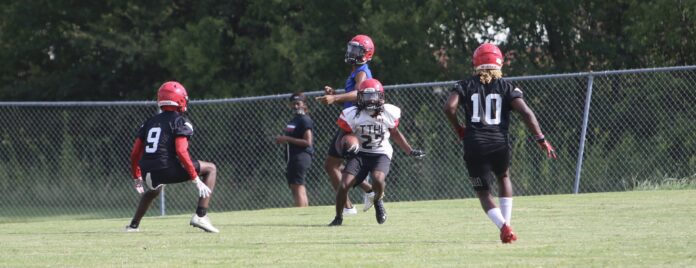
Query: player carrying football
(373, 122)
(161, 153)
(488, 100)
(359, 51)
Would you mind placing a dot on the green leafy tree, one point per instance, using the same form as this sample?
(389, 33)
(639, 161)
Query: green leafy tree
(113, 50)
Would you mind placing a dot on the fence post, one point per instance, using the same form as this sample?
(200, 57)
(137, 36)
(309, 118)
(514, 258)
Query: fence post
(585, 120)
(162, 205)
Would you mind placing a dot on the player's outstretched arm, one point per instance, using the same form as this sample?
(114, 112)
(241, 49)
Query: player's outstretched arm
(530, 120)
(450, 110)
(346, 97)
(353, 95)
(338, 98)
(330, 97)
(401, 141)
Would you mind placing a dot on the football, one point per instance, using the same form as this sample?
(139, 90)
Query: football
(350, 143)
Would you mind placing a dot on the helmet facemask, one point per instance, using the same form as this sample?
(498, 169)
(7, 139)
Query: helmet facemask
(355, 53)
(371, 100)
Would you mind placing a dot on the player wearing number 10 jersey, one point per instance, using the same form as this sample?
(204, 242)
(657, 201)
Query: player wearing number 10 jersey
(373, 122)
(161, 153)
(488, 100)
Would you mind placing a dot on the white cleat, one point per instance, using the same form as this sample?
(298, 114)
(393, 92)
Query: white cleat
(350, 211)
(368, 200)
(203, 223)
(130, 229)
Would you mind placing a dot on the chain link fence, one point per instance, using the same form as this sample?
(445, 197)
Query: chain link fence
(613, 131)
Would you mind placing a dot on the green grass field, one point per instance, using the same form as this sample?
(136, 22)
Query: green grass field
(641, 228)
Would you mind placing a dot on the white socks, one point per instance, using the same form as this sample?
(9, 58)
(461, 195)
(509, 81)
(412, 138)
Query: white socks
(506, 208)
(497, 217)
(501, 215)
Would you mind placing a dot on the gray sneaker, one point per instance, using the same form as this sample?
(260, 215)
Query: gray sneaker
(203, 223)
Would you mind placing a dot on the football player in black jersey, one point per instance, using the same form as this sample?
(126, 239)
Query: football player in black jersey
(488, 100)
(161, 153)
(299, 149)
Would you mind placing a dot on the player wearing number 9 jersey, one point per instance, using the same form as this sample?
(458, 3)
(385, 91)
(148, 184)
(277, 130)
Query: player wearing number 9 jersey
(488, 100)
(373, 122)
(161, 153)
(160, 133)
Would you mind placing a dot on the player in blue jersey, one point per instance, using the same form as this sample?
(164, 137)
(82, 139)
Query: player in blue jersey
(359, 51)
(488, 101)
(161, 153)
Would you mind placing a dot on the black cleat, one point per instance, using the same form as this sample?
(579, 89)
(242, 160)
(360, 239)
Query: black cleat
(380, 212)
(338, 221)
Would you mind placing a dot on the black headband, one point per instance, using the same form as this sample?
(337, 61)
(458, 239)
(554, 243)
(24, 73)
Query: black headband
(297, 97)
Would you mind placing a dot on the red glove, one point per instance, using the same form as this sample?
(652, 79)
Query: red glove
(461, 131)
(546, 147)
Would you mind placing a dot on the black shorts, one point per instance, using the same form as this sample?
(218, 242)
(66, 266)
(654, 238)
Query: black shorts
(361, 165)
(296, 171)
(335, 145)
(175, 174)
(482, 165)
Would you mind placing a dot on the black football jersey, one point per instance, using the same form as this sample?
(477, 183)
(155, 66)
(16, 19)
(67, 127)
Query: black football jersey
(296, 129)
(158, 134)
(487, 109)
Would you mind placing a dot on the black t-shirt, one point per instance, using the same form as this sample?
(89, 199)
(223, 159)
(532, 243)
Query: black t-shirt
(487, 109)
(296, 129)
(158, 133)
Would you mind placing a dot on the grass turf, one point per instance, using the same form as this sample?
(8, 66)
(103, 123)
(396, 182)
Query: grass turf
(640, 228)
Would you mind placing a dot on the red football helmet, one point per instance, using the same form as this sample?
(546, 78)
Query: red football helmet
(172, 94)
(370, 95)
(488, 56)
(360, 50)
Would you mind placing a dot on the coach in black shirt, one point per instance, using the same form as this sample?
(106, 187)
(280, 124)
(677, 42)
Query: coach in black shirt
(299, 149)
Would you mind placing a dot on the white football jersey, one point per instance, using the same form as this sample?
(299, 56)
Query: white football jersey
(373, 132)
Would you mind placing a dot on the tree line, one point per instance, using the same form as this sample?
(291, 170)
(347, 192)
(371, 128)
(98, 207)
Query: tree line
(123, 50)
